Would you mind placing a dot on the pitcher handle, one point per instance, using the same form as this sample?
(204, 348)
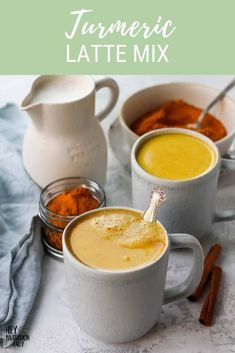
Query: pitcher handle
(226, 215)
(107, 82)
(185, 288)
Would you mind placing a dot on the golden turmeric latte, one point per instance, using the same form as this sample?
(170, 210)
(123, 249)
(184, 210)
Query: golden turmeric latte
(116, 239)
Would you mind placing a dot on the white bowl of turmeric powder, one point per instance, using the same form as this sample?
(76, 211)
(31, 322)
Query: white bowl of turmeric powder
(177, 105)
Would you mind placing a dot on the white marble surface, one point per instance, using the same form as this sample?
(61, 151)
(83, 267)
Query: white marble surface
(50, 323)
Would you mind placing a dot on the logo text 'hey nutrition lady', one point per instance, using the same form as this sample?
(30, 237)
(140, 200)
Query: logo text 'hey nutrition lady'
(103, 40)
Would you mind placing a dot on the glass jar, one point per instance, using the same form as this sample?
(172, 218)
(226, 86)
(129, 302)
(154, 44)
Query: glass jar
(54, 223)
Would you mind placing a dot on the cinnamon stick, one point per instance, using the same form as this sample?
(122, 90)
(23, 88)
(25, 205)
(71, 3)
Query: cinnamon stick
(208, 307)
(209, 263)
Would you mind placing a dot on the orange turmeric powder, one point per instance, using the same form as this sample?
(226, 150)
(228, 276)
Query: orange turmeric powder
(179, 114)
(73, 202)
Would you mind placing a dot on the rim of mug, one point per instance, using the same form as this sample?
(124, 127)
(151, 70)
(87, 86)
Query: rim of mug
(154, 179)
(104, 272)
(46, 77)
(176, 83)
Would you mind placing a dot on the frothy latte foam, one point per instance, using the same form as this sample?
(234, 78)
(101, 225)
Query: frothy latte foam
(116, 239)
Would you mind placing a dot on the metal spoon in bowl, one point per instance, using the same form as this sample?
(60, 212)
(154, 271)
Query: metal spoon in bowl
(218, 98)
(158, 196)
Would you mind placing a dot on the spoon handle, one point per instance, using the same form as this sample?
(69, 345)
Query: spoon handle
(215, 100)
(158, 196)
(222, 94)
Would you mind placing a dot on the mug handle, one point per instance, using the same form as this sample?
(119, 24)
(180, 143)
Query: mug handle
(227, 215)
(228, 162)
(184, 289)
(107, 82)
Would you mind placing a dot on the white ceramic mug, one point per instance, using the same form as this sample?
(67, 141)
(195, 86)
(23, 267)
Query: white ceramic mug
(121, 306)
(192, 202)
(151, 98)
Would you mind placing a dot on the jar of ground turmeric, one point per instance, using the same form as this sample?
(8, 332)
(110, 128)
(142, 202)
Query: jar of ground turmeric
(62, 201)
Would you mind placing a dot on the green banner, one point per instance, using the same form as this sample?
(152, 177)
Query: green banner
(121, 37)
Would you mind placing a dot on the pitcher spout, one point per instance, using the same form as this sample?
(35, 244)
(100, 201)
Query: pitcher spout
(34, 98)
(33, 109)
(28, 104)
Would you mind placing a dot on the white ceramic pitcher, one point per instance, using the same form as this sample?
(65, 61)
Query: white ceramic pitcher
(64, 137)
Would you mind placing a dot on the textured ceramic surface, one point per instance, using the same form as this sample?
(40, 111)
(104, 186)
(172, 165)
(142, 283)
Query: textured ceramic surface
(64, 137)
(121, 306)
(190, 207)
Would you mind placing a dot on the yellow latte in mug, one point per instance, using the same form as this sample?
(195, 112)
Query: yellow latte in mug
(175, 156)
(116, 239)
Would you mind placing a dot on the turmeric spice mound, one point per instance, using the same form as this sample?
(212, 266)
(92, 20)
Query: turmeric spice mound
(179, 114)
(73, 202)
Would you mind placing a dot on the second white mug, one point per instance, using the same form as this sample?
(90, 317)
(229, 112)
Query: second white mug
(192, 202)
